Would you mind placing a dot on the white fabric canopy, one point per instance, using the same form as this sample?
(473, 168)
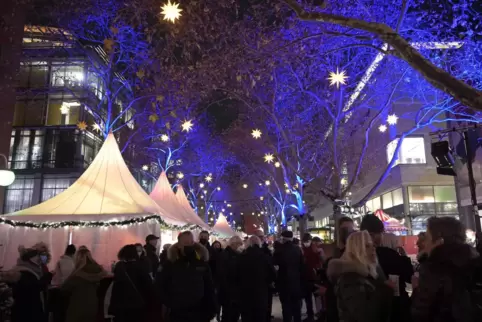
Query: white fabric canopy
(190, 213)
(105, 191)
(223, 228)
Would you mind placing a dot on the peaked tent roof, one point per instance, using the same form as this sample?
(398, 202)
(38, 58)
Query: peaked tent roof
(222, 227)
(163, 195)
(182, 199)
(105, 189)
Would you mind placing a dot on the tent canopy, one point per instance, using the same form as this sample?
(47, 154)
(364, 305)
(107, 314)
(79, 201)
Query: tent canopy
(106, 189)
(223, 228)
(190, 213)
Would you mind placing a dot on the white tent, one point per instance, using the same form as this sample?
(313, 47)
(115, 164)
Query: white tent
(190, 213)
(106, 192)
(223, 228)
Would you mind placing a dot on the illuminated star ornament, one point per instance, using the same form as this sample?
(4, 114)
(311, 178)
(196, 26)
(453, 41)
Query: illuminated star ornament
(180, 175)
(145, 167)
(337, 78)
(164, 138)
(96, 127)
(171, 11)
(268, 157)
(82, 126)
(392, 119)
(64, 109)
(256, 133)
(187, 126)
(209, 178)
(277, 164)
(382, 128)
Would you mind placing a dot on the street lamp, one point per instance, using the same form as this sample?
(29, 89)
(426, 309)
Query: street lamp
(6, 176)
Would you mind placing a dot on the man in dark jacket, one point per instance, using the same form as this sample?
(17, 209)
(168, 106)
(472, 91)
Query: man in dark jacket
(265, 248)
(392, 264)
(228, 287)
(313, 263)
(442, 293)
(185, 283)
(152, 253)
(290, 281)
(255, 276)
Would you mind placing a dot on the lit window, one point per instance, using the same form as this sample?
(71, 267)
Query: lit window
(67, 75)
(18, 195)
(412, 151)
(421, 194)
(63, 112)
(397, 197)
(445, 194)
(387, 200)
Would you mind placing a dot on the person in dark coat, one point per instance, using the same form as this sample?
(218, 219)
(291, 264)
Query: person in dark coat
(228, 287)
(255, 276)
(362, 295)
(291, 277)
(265, 247)
(204, 240)
(152, 253)
(144, 260)
(132, 289)
(80, 288)
(29, 291)
(185, 283)
(163, 256)
(392, 265)
(441, 292)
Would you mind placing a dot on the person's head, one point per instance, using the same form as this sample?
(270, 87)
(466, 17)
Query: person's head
(30, 255)
(166, 247)
(346, 227)
(236, 243)
(421, 241)
(82, 258)
(152, 240)
(217, 245)
(70, 250)
(360, 249)
(316, 243)
(43, 251)
(307, 239)
(139, 249)
(260, 234)
(186, 239)
(444, 230)
(296, 241)
(346, 223)
(286, 236)
(204, 237)
(254, 241)
(375, 228)
(127, 253)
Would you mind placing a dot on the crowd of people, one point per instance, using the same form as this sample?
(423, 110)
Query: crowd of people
(365, 280)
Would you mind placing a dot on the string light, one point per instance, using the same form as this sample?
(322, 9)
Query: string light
(201, 185)
(267, 182)
(145, 167)
(164, 138)
(382, 128)
(218, 188)
(392, 119)
(245, 186)
(277, 164)
(180, 175)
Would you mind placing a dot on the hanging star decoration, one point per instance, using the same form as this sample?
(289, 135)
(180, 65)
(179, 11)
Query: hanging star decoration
(171, 11)
(209, 178)
(164, 138)
(82, 126)
(392, 119)
(337, 78)
(268, 157)
(256, 133)
(180, 175)
(245, 186)
(187, 126)
(277, 164)
(153, 118)
(382, 128)
(64, 109)
(145, 167)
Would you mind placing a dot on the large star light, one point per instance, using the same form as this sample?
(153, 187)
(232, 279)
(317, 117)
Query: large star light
(209, 178)
(337, 78)
(171, 11)
(268, 157)
(392, 119)
(187, 126)
(164, 138)
(256, 133)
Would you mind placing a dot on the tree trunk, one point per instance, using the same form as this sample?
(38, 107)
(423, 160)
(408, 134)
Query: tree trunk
(303, 224)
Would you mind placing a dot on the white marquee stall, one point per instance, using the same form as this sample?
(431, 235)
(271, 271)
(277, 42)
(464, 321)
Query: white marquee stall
(223, 228)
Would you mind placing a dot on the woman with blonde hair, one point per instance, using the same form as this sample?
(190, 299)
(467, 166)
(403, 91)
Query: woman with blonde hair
(361, 292)
(81, 288)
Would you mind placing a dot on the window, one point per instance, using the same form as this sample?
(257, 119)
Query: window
(18, 195)
(33, 74)
(26, 149)
(67, 75)
(54, 186)
(29, 113)
(412, 151)
(63, 112)
(445, 194)
(373, 204)
(421, 194)
(387, 200)
(397, 197)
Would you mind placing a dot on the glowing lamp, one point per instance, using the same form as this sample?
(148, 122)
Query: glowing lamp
(7, 177)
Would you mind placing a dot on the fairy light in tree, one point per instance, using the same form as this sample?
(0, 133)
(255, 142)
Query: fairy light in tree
(187, 126)
(337, 78)
(277, 164)
(382, 128)
(209, 178)
(218, 188)
(201, 185)
(164, 138)
(268, 157)
(245, 186)
(205, 192)
(261, 198)
(392, 119)
(267, 182)
(145, 167)
(171, 11)
(180, 175)
(256, 133)
(96, 127)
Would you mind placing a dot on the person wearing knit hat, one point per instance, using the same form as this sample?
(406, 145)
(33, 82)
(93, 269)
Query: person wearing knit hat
(374, 226)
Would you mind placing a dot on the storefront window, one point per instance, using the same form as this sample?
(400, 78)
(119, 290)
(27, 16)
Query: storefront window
(421, 194)
(445, 194)
(387, 200)
(412, 151)
(397, 197)
(376, 204)
(18, 195)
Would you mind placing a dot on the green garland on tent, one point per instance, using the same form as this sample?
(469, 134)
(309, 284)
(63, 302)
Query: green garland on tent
(110, 223)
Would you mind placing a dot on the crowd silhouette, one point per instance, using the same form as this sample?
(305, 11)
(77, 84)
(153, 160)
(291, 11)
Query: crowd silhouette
(368, 278)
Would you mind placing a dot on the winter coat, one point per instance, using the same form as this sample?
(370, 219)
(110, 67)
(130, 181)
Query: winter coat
(441, 295)
(29, 294)
(185, 284)
(313, 263)
(291, 269)
(359, 296)
(255, 274)
(65, 266)
(227, 282)
(213, 262)
(81, 290)
(132, 288)
(153, 258)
